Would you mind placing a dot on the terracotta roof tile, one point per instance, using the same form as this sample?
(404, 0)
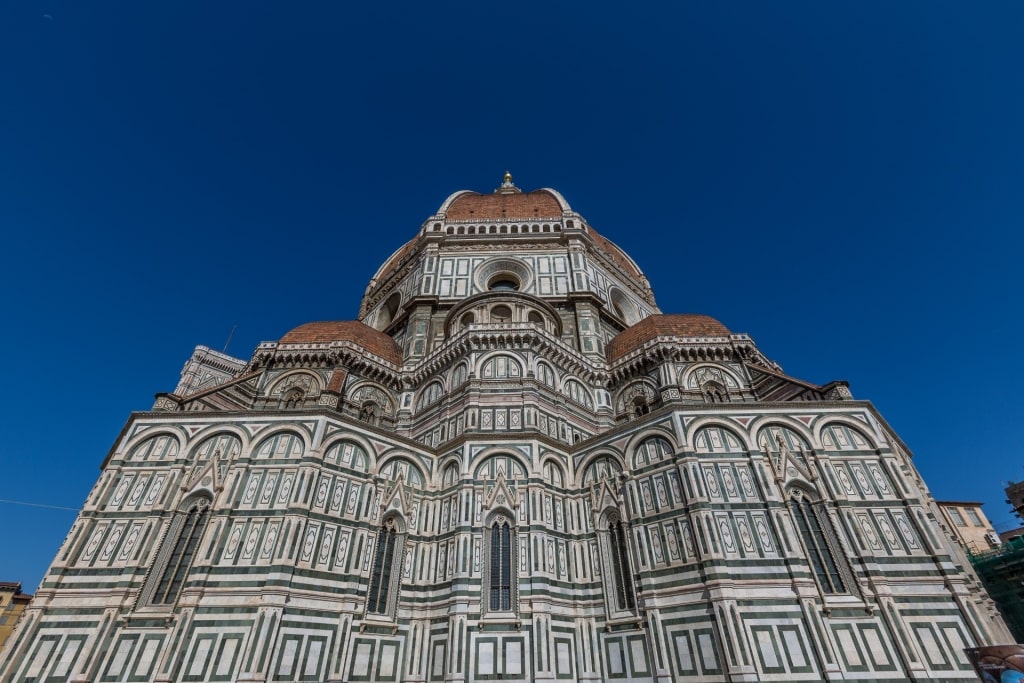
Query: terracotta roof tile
(679, 325)
(616, 254)
(346, 330)
(504, 206)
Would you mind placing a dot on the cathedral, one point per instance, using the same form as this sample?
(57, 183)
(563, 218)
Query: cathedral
(513, 466)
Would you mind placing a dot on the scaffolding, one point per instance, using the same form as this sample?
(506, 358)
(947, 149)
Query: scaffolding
(1002, 571)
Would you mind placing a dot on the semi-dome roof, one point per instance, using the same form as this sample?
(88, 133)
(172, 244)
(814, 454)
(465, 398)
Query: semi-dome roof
(354, 331)
(677, 325)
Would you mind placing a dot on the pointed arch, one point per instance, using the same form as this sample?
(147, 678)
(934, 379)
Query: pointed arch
(831, 569)
(501, 565)
(178, 551)
(386, 570)
(613, 540)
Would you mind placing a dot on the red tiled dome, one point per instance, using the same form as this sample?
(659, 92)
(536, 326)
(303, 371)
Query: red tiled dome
(346, 330)
(472, 206)
(679, 325)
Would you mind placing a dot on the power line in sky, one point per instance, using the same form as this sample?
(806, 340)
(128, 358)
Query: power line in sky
(38, 505)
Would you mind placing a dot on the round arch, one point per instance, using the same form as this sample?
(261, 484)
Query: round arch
(483, 457)
(356, 440)
(850, 423)
(173, 431)
(309, 382)
(584, 470)
(396, 458)
(735, 428)
(288, 430)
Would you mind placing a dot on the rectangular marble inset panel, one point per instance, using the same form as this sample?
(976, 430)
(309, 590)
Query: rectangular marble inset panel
(199, 658)
(563, 657)
(73, 645)
(706, 647)
(849, 649)
(930, 645)
(123, 650)
(684, 654)
(513, 657)
(877, 651)
(388, 659)
(638, 655)
(485, 657)
(955, 643)
(226, 655)
(437, 669)
(767, 650)
(793, 643)
(361, 660)
(613, 650)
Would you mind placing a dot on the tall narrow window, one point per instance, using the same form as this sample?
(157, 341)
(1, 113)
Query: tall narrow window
(625, 599)
(380, 577)
(819, 552)
(186, 529)
(501, 565)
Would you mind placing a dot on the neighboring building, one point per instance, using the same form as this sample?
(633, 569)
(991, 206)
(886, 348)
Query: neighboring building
(512, 466)
(1015, 497)
(12, 604)
(969, 524)
(1011, 534)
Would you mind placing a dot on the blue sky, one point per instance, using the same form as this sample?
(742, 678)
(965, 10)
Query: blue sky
(842, 181)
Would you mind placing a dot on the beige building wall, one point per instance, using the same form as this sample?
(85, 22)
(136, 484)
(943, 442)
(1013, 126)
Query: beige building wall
(969, 524)
(12, 604)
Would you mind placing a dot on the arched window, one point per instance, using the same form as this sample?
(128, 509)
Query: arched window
(625, 598)
(576, 391)
(162, 447)
(816, 536)
(502, 568)
(459, 375)
(545, 374)
(430, 395)
(501, 367)
(602, 467)
(651, 450)
(178, 551)
(383, 563)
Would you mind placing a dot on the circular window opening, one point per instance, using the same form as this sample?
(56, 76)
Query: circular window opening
(501, 314)
(467, 320)
(503, 283)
